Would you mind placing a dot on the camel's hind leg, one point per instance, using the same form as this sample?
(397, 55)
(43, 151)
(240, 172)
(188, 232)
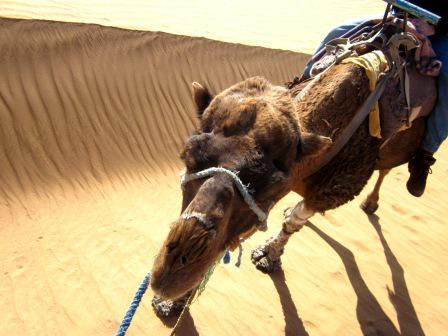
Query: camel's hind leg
(267, 256)
(370, 204)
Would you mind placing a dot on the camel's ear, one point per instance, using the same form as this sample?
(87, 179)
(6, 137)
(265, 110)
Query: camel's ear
(311, 144)
(201, 96)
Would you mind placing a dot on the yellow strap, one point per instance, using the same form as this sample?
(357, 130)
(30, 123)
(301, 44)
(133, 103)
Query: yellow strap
(374, 63)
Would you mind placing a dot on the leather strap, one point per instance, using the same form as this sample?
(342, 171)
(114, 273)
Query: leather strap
(354, 124)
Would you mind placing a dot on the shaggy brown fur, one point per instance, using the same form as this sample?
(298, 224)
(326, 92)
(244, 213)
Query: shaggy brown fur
(190, 245)
(251, 128)
(327, 111)
(261, 132)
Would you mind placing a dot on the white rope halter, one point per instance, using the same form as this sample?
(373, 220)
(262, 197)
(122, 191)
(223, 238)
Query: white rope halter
(262, 216)
(200, 217)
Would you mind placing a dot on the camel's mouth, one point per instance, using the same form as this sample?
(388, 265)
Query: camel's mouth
(167, 293)
(176, 285)
(160, 292)
(191, 247)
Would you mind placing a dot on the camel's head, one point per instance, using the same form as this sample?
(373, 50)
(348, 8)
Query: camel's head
(252, 129)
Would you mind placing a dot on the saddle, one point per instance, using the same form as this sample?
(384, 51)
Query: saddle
(407, 95)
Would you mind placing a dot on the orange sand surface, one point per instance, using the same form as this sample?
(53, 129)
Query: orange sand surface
(92, 120)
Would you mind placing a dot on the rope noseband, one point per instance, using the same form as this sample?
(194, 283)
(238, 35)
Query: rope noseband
(262, 216)
(200, 217)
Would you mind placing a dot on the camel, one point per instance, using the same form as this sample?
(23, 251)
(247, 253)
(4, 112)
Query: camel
(269, 138)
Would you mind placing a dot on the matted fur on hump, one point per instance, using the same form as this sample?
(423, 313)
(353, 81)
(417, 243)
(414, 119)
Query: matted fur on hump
(256, 109)
(326, 111)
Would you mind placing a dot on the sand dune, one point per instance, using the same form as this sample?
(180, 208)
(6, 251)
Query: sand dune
(91, 123)
(285, 24)
(108, 101)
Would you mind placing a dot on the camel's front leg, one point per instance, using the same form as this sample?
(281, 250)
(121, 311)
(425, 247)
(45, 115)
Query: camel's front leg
(267, 257)
(370, 204)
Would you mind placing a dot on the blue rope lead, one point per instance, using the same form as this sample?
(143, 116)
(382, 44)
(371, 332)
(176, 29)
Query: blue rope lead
(144, 286)
(134, 305)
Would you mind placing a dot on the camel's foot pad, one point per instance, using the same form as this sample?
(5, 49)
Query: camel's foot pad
(369, 207)
(265, 261)
(167, 308)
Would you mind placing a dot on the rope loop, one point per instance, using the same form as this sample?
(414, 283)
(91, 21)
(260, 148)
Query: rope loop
(261, 215)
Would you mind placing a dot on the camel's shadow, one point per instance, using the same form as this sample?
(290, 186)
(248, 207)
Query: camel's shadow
(293, 323)
(371, 317)
(185, 328)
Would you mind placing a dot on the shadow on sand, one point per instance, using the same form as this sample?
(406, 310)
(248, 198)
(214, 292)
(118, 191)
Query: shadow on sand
(293, 323)
(372, 319)
(186, 326)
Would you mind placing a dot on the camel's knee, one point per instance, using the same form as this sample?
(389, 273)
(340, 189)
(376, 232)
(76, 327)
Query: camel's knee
(296, 218)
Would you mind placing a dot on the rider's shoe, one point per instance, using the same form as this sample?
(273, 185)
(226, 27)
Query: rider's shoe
(419, 167)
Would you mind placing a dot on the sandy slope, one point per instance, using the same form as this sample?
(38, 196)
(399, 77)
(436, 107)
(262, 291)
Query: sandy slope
(91, 123)
(285, 24)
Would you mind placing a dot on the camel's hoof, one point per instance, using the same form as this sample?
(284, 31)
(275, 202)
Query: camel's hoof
(369, 207)
(167, 308)
(264, 262)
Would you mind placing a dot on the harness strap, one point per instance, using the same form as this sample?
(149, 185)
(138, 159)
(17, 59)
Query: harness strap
(354, 124)
(409, 42)
(262, 216)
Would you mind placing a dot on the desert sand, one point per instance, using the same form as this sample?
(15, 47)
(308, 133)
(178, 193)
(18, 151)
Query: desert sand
(92, 120)
(286, 24)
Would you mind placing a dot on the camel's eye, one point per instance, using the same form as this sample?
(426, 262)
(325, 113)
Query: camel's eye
(183, 260)
(170, 247)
